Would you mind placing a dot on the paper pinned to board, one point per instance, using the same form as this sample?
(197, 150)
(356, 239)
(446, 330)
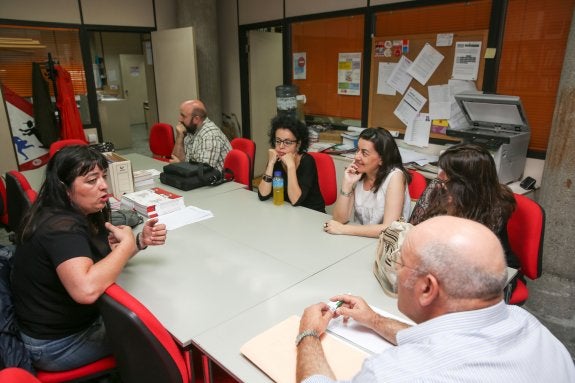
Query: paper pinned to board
(274, 352)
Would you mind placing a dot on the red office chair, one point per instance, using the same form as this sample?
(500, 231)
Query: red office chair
(525, 229)
(90, 371)
(17, 375)
(145, 351)
(239, 163)
(326, 176)
(19, 197)
(57, 145)
(162, 141)
(417, 185)
(247, 146)
(3, 204)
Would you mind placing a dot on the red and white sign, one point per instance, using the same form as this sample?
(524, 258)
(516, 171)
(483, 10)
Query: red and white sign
(27, 146)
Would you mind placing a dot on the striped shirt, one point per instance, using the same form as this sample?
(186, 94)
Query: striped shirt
(208, 145)
(500, 343)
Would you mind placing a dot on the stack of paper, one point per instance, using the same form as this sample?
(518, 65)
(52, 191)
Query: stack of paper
(114, 202)
(144, 179)
(152, 202)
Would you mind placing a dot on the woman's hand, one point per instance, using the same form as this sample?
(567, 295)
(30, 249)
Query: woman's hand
(351, 176)
(272, 157)
(153, 233)
(334, 227)
(288, 160)
(120, 235)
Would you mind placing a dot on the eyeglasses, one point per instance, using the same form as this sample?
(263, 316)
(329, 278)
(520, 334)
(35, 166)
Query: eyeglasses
(279, 142)
(397, 264)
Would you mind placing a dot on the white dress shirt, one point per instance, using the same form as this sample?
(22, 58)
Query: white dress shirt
(500, 343)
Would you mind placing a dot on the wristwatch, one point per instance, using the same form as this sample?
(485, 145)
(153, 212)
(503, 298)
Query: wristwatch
(266, 178)
(305, 333)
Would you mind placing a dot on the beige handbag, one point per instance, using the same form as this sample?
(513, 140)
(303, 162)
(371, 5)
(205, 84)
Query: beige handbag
(390, 241)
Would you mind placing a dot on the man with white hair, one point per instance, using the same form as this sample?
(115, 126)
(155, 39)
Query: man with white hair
(451, 275)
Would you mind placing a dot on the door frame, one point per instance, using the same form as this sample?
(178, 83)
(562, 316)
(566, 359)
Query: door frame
(244, 65)
(87, 59)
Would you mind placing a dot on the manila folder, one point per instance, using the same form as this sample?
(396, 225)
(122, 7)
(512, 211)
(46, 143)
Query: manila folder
(274, 352)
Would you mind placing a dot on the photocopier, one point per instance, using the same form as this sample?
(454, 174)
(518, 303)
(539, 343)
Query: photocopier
(498, 123)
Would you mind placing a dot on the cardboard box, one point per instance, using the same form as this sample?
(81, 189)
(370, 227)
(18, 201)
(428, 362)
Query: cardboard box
(120, 177)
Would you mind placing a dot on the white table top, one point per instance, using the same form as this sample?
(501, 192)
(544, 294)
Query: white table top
(200, 279)
(351, 275)
(291, 234)
(211, 271)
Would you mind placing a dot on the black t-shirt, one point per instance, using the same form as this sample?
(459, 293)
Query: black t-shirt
(43, 307)
(308, 182)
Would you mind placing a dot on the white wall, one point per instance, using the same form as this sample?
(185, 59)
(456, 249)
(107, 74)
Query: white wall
(254, 11)
(166, 14)
(133, 13)
(306, 7)
(57, 11)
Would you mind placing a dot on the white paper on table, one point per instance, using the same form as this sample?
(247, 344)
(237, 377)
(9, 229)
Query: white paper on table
(410, 105)
(425, 64)
(383, 73)
(399, 78)
(417, 132)
(363, 336)
(182, 217)
(466, 60)
(422, 159)
(439, 104)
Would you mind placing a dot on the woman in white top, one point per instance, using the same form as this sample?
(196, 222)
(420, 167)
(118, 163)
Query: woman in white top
(374, 188)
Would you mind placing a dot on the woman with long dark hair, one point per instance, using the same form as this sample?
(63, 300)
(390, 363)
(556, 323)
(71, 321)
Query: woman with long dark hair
(467, 186)
(374, 187)
(67, 254)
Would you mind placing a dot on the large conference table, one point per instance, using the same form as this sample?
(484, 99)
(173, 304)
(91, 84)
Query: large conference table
(217, 283)
(213, 275)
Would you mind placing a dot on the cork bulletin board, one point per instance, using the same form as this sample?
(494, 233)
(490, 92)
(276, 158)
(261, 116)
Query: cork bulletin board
(381, 106)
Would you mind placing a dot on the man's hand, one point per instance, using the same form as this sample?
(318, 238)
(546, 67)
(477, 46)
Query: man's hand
(316, 317)
(355, 308)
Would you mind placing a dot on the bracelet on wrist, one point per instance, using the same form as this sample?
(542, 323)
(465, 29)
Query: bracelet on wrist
(304, 334)
(344, 193)
(138, 245)
(267, 178)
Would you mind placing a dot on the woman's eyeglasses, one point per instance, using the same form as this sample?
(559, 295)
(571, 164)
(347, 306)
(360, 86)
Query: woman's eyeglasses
(280, 142)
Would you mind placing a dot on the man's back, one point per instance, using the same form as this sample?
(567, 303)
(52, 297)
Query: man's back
(497, 344)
